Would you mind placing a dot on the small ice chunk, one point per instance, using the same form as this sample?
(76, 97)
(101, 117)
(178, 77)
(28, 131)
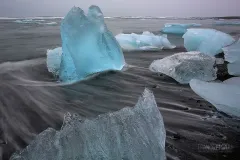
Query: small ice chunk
(54, 60)
(186, 66)
(144, 41)
(136, 133)
(88, 46)
(207, 41)
(177, 28)
(224, 96)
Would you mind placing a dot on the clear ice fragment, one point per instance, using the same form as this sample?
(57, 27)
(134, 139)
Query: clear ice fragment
(186, 66)
(54, 60)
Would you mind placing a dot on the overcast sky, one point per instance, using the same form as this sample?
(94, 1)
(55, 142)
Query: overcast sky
(157, 8)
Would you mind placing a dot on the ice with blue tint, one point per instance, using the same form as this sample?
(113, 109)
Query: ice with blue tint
(232, 55)
(88, 46)
(224, 96)
(186, 66)
(208, 41)
(177, 28)
(144, 41)
(227, 23)
(54, 60)
(135, 133)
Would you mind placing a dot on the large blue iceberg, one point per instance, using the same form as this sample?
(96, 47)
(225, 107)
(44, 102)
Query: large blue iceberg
(135, 133)
(144, 41)
(186, 66)
(177, 28)
(224, 96)
(88, 46)
(232, 55)
(207, 41)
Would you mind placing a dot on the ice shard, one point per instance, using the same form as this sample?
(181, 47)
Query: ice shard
(144, 41)
(54, 60)
(88, 46)
(136, 133)
(224, 96)
(207, 41)
(232, 55)
(177, 28)
(186, 66)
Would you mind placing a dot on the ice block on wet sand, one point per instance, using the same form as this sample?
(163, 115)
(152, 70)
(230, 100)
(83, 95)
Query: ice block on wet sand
(135, 133)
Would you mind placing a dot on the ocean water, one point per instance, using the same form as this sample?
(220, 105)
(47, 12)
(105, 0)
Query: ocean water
(31, 100)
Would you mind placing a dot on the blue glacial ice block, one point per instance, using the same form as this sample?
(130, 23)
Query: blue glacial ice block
(135, 133)
(186, 66)
(88, 46)
(224, 96)
(144, 41)
(207, 41)
(177, 28)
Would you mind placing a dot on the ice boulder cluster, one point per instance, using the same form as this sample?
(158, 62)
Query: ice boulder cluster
(232, 55)
(178, 28)
(186, 66)
(207, 41)
(199, 66)
(144, 41)
(136, 133)
(88, 46)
